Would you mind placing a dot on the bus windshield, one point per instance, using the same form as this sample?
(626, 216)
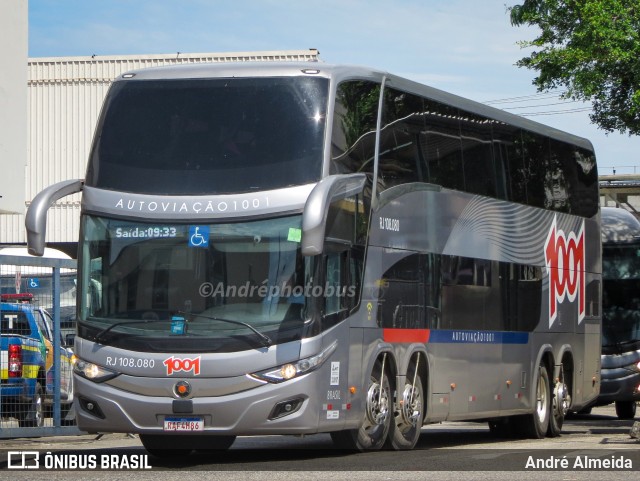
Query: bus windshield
(210, 136)
(621, 297)
(228, 284)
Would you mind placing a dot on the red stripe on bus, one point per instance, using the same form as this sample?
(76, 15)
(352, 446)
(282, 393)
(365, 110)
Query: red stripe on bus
(406, 335)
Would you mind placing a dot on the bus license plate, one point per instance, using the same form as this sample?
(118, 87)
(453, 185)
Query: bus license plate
(184, 424)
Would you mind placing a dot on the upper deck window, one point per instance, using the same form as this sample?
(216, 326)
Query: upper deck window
(210, 136)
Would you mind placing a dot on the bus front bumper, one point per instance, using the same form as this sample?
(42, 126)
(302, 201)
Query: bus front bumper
(292, 407)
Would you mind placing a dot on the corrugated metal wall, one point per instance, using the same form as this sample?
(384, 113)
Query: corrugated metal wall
(65, 97)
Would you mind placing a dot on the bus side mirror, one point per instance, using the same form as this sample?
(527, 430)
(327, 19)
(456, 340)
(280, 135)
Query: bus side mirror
(314, 216)
(36, 218)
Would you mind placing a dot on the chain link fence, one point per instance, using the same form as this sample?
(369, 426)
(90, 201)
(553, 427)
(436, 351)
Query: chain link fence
(37, 329)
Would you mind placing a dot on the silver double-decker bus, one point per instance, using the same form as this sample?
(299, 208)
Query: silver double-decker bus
(620, 311)
(298, 248)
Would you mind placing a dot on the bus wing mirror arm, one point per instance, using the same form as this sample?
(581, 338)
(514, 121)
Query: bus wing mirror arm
(36, 218)
(314, 216)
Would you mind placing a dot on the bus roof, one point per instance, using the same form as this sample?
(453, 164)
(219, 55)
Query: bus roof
(9, 269)
(343, 72)
(49, 252)
(619, 226)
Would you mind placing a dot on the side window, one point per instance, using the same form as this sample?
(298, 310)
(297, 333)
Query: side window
(14, 322)
(535, 149)
(522, 287)
(333, 283)
(401, 302)
(341, 289)
(477, 154)
(403, 121)
(507, 153)
(354, 127)
(586, 199)
(569, 181)
(516, 168)
(441, 145)
(43, 326)
(560, 178)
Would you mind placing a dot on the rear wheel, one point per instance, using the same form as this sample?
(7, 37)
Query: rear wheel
(626, 409)
(559, 405)
(374, 428)
(407, 423)
(536, 425)
(33, 416)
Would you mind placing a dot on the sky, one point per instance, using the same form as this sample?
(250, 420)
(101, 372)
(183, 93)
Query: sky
(466, 47)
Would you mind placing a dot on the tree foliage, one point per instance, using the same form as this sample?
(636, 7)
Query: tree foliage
(592, 49)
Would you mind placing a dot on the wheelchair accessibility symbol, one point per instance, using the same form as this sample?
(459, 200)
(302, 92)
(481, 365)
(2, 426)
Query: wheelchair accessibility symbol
(33, 282)
(199, 236)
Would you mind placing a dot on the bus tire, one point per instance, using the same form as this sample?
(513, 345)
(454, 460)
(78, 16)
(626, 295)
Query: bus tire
(374, 427)
(33, 415)
(626, 409)
(559, 402)
(406, 424)
(536, 425)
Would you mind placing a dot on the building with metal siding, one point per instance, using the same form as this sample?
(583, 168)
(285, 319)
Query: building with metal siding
(65, 97)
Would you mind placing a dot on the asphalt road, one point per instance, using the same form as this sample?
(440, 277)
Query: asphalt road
(447, 451)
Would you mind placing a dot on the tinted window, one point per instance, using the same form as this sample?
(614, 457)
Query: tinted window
(477, 154)
(535, 150)
(401, 299)
(199, 136)
(354, 127)
(403, 121)
(441, 145)
(15, 323)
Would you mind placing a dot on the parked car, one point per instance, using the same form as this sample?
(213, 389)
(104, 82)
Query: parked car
(26, 362)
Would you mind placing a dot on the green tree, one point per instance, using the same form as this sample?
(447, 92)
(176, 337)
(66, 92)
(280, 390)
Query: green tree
(591, 48)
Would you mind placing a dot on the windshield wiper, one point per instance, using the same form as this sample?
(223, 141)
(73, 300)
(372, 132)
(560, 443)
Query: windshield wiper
(98, 337)
(266, 340)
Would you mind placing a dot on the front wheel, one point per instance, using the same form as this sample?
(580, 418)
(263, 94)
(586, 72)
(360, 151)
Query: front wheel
(407, 423)
(374, 428)
(626, 409)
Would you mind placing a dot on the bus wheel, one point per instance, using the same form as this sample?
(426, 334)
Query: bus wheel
(375, 425)
(559, 406)
(626, 409)
(407, 423)
(33, 416)
(536, 425)
(163, 446)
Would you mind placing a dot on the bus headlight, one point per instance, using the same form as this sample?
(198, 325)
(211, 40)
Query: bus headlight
(93, 372)
(292, 370)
